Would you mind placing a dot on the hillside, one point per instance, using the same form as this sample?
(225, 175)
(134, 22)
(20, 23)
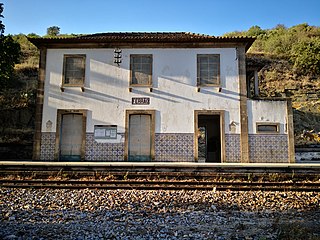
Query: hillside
(277, 79)
(292, 69)
(17, 105)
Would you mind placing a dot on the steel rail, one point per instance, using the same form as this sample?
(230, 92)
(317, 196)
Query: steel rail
(175, 182)
(165, 185)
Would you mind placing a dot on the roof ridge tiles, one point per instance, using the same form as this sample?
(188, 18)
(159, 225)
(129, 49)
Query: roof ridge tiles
(147, 35)
(141, 37)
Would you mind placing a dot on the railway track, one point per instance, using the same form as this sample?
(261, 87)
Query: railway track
(164, 185)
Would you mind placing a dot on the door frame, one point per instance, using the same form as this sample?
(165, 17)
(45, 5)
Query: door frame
(126, 141)
(220, 113)
(60, 113)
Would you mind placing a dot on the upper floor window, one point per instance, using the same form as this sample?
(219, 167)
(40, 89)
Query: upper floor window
(74, 70)
(208, 69)
(141, 70)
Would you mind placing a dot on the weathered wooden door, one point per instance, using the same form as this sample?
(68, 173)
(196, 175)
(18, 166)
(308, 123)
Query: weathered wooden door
(139, 137)
(71, 137)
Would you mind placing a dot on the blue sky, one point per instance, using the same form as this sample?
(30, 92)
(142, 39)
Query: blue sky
(200, 16)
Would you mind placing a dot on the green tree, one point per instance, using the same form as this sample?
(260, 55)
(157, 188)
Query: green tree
(53, 31)
(255, 31)
(1, 24)
(29, 53)
(306, 56)
(279, 40)
(9, 56)
(33, 35)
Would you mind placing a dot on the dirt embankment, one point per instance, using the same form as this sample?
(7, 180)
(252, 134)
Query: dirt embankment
(277, 79)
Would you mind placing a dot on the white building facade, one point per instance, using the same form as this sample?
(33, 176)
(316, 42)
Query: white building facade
(163, 97)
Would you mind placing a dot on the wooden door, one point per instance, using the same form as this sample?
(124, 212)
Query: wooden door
(71, 137)
(139, 137)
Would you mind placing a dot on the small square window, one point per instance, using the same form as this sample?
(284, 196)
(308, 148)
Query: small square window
(141, 70)
(73, 70)
(208, 69)
(268, 127)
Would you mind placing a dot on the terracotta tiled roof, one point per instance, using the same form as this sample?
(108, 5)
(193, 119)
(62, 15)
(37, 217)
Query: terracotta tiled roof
(149, 36)
(141, 37)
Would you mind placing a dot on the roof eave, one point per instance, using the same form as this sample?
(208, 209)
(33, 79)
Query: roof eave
(101, 42)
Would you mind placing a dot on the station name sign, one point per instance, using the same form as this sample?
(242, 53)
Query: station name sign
(140, 101)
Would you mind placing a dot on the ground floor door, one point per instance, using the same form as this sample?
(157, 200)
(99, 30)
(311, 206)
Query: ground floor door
(140, 137)
(209, 138)
(71, 135)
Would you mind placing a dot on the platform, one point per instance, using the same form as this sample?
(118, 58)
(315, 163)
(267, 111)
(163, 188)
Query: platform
(161, 167)
(160, 164)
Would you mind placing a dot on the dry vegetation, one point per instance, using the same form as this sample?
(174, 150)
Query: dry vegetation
(277, 79)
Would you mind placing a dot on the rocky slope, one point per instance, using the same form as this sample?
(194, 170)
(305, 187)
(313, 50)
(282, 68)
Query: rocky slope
(277, 79)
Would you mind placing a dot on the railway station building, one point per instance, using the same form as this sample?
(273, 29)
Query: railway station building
(162, 97)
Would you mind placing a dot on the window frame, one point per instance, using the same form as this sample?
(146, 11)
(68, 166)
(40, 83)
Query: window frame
(149, 75)
(218, 84)
(65, 56)
(276, 124)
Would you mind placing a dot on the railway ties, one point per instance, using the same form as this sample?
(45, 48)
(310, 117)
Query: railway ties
(162, 185)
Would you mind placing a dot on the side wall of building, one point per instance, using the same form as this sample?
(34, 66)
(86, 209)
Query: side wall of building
(268, 147)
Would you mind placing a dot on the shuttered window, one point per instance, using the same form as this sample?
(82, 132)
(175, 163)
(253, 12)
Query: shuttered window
(141, 70)
(74, 70)
(208, 69)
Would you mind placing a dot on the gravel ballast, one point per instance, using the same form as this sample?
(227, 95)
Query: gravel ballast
(157, 214)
